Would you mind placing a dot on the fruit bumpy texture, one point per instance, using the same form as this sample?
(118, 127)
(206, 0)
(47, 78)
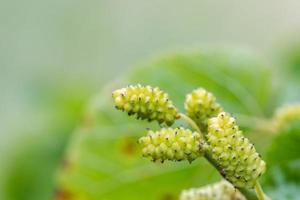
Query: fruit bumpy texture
(286, 114)
(201, 105)
(175, 144)
(236, 157)
(147, 103)
(218, 191)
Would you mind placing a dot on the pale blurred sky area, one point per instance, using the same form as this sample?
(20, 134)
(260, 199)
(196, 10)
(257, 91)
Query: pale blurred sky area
(84, 44)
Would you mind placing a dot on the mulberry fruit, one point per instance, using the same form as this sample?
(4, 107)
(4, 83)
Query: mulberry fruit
(235, 156)
(218, 191)
(285, 115)
(174, 144)
(147, 103)
(200, 106)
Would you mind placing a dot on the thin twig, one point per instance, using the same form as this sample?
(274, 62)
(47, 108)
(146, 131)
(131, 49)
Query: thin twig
(190, 122)
(259, 191)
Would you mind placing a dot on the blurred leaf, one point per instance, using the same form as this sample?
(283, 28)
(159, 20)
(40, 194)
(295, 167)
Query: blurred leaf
(291, 56)
(104, 162)
(30, 174)
(282, 188)
(33, 160)
(241, 83)
(284, 155)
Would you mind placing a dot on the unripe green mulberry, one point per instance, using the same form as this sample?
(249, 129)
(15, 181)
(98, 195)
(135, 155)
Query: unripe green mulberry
(286, 114)
(218, 191)
(235, 156)
(173, 144)
(201, 105)
(147, 103)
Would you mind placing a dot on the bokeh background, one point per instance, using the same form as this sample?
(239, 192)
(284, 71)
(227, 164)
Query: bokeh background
(55, 55)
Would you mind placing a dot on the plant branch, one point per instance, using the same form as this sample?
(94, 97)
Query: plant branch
(190, 122)
(259, 191)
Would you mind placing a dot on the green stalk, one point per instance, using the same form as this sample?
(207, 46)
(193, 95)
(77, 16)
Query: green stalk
(191, 123)
(259, 191)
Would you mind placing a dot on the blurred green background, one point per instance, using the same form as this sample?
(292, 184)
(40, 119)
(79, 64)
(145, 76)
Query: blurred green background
(55, 55)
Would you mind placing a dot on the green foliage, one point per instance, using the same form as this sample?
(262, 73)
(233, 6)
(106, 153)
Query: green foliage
(103, 160)
(30, 172)
(284, 156)
(241, 83)
(283, 189)
(291, 56)
(289, 59)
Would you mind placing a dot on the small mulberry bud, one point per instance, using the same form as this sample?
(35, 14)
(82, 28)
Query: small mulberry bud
(286, 114)
(201, 105)
(237, 158)
(147, 103)
(218, 191)
(172, 144)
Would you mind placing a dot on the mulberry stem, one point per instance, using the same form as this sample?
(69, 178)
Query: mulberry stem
(190, 122)
(259, 191)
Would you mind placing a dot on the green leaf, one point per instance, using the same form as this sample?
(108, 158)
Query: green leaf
(240, 82)
(289, 58)
(283, 189)
(28, 173)
(284, 155)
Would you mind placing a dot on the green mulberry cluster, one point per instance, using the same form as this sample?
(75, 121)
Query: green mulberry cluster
(147, 103)
(218, 191)
(236, 157)
(201, 105)
(173, 144)
(222, 143)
